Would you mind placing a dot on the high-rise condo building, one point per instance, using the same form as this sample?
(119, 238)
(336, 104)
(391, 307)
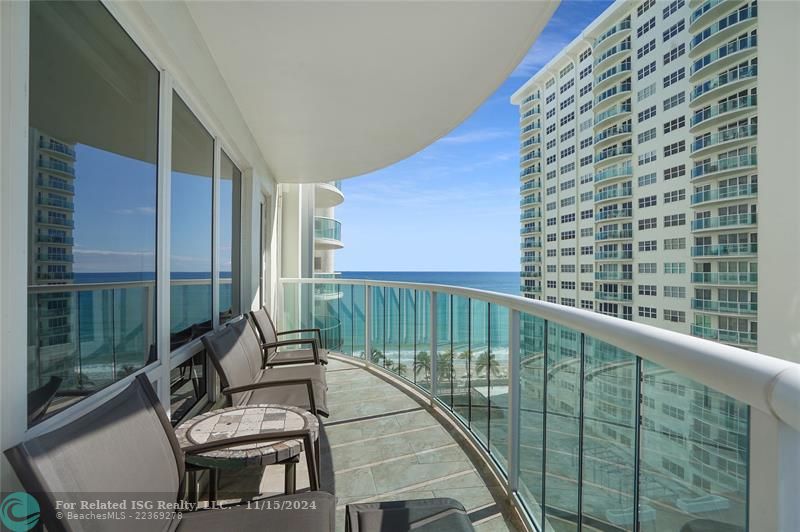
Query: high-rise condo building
(639, 175)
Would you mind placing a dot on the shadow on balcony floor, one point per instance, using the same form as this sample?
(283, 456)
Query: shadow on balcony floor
(386, 446)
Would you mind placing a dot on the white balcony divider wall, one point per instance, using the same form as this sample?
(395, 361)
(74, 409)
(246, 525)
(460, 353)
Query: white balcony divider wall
(618, 388)
(188, 71)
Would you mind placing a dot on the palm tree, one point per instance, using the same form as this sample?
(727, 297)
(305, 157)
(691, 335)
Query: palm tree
(444, 365)
(465, 356)
(376, 357)
(422, 364)
(487, 364)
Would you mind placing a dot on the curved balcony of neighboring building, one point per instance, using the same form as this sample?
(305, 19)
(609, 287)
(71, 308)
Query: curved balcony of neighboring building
(528, 147)
(529, 186)
(613, 94)
(531, 274)
(619, 51)
(613, 276)
(613, 256)
(530, 200)
(530, 228)
(530, 214)
(529, 171)
(531, 158)
(55, 203)
(726, 139)
(738, 338)
(55, 257)
(613, 193)
(619, 171)
(531, 243)
(55, 276)
(57, 166)
(610, 75)
(613, 153)
(725, 278)
(613, 214)
(713, 115)
(614, 234)
(613, 133)
(55, 221)
(58, 148)
(723, 29)
(724, 56)
(704, 11)
(531, 98)
(612, 35)
(724, 166)
(731, 81)
(722, 194)
(327, 233)
(725, 307)
(618, 112)
(711, 251)
(328, 195)
(613, 296)
(532, 258)
(722, 223)
(528, 129)
(58, 186)
(526, 116)
(52, 239)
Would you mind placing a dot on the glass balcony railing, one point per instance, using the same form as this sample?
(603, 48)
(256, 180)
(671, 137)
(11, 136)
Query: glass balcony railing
(527, 229)
(57, 166)
(614, 234)
(624, 66)
(724, 164)
(614, 50)
(531, 244)
(622, 26)
(533, 111)
(727, 307)
(53, 220)
(739, 45)
(55, 276)
(531, 185)
(616, 110)
(54, 257)
(725, 278)
(529, 142)
(584, 418)
(535, 169)
(530, 214)
(613, 276)
(616, 151)
(57, 147)
(624, 170)
(613, 296)
(609, 214)
(530, 200)
(338, 185)
(613, 255)
(58, 203)
(730, 220)
(327, 228)
(707, 6)
(530, 259)
(530, 127)
(725, 250)
(616, 192)
(730, 106)
(736, 17)
(613, 131)
(616, 90)
(57, 185)
(739, 74)
(728, 337)
(728, 135)
(51, 239)
(531, 97)
(725, 193)
(535, 154)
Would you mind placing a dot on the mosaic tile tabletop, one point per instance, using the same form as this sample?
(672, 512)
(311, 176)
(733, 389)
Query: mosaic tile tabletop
(241, 421)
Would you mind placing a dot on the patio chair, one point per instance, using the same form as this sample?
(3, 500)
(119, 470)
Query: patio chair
(238, 358)
(125, 449)
(270, 337)
(421, 515)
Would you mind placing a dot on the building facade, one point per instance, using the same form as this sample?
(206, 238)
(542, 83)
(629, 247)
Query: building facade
(639, 176)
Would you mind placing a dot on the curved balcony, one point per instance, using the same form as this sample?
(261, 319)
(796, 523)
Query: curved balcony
(617, 112)
(612, 74)
(327, 195)
(613, 256)
(613, 214)
(722, 30)
(49, 239)
(533, 126)
(727, 337)
(533, 184)
(616, 51)
(529, 152)
(54, 257)
(536, 95)
(726, 278)
(722, 112)
(613, 94)
(730, 81)
(613, 194)
(613, 296)
(613, 276)
(611, 154)
(327, 233)
(529, 113)
(534, 259)
(530, 229)
(721, 194)
(531, 274)
(724, 56)
(614, 172)
(530, 214)
(502, 371)
(55, 203)
(716, 223)
(62, 188)
(615, 132)
(707, 11)
(530, 200)
(724, 307)
(58, 222)
(55, 276)
(530, 160)
(57, 147)
(57, 166)
(612, 35)
(725, 250)
(726, 139)
(531, 243)
(722, 167)
(531, 170)
(614, 234)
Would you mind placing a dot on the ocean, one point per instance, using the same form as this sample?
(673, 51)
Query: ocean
(504, 282)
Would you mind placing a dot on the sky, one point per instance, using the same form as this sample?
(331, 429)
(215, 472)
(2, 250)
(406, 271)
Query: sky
(454, 206)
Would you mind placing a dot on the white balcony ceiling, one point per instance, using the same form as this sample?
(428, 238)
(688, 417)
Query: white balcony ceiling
(332, 90)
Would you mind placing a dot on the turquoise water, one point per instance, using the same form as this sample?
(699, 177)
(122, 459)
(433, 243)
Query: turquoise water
(505, 282)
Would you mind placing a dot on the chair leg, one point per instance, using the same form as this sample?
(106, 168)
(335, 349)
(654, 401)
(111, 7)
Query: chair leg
(290, 478)
(191, 486)
(213, 486)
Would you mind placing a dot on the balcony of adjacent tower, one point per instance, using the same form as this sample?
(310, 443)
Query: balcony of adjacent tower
(723, 194)
(57, 148)
(618, 51)
(613, 193)
(723, 29)
(611, 173)
(327, 233)
(704, 11)
(731, 81)
(725, 278)
(610, 75)
(724, 166)
(724, 57)
(607, 214)
(613, 133)
(744, 339)
(724, 112)
(327, 195)
(612, 35)
(738, 308)
(724, 140)
(613, 114)
(724, 223)
(711, 251)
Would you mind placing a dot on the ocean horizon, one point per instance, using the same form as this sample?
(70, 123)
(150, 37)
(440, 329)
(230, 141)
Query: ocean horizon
(503, 282)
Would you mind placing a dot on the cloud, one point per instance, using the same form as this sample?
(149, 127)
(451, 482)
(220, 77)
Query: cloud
(479, 135)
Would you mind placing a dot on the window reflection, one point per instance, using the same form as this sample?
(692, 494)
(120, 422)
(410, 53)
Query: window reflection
(230, 186)
(92, 203)
(190, 226)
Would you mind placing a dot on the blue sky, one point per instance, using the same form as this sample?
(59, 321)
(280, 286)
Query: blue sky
(454, 206)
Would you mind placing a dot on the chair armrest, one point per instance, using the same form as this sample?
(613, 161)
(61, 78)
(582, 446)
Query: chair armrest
(298, 341)
(278, 384)
(295, 331)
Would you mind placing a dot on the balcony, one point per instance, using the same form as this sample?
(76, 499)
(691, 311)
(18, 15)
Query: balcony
(616, 234)
(530, 112)
(724, 166)
(55, 185)
(612, 194)
(530, 200)
(53, 165)
(621, 48)
(530, 214)
(613, 296)
(55, 203)
(706, 11)
(723, 29)
(533, 184)
(611, 154)
(54, 257)
(613, 255)
(531, 98)
(746, 339)
(534, 274)
(614, 172)
(613, 132)
(530, 170)
(612, 74)
(731, 81)
(327, 233)
(57, 147)
(327, 195)
(721, 194)
(615, 112)
(723, 112)
(613, 276)
(530, 259)
(613, 214)
(610, 35)
(725, 250)
(726, 278)
(726, 139)
(724, 56)
(531, 243)
(50, 239)
(724, 307)
(55, 276)
(56, 221)
(533, 155)
(724, 222)
(529, 229)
